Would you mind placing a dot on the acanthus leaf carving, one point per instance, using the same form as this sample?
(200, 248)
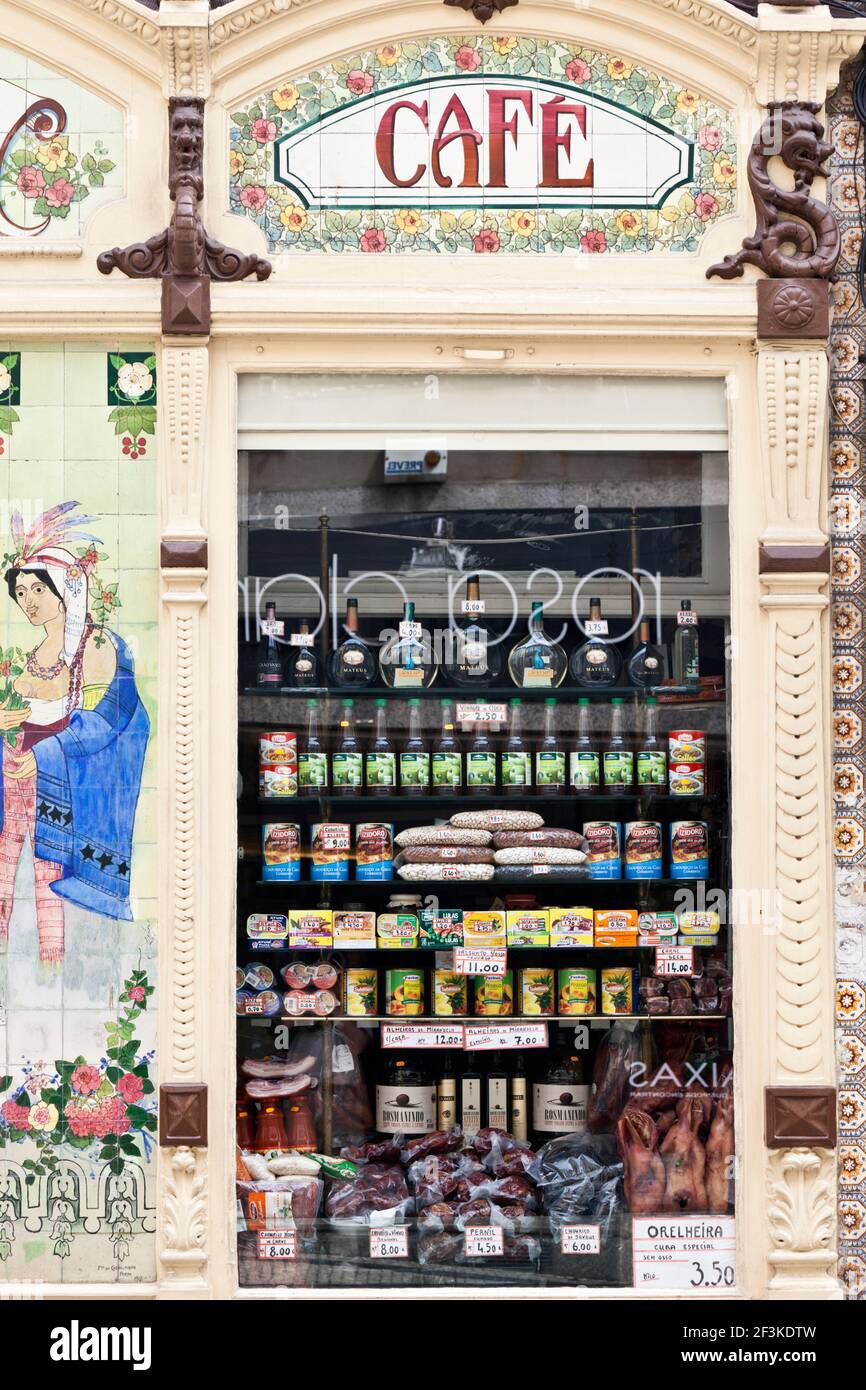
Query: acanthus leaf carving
(801, 1209)
(183, 1252)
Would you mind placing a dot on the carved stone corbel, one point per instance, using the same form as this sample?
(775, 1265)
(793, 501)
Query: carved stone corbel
(483, 9)
(801, 1213)
(183, 256)
(183, 1230)
(184, 29)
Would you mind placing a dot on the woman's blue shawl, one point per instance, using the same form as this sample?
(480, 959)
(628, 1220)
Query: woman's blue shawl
(87, 784)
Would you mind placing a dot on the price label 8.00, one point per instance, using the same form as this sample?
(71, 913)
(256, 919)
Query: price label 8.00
(277, 1245)
(389, 1243)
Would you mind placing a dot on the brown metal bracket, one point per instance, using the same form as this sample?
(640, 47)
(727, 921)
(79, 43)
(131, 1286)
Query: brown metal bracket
(183, 1115)
(483, 9)
(800, 1117)
(788, 217)
(179, 553)
(791, 308)
(184, 256)
(793, 559)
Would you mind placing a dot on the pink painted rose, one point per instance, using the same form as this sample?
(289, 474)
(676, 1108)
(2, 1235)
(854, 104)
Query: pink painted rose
(593, 242)
(263, 130)
(486, 242)
(136, 994)
(252, 196)
(86, 1079)
(577, 71)
(14, 1115)
(59, 193)
(131, 1088)
(467, 58)
(710, 137)
(5, 668)
(373, 239)
(706, 206)
(113, 1116)
(359, 82)
(31, 181)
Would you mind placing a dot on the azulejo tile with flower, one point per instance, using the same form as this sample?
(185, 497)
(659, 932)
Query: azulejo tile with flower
(132, 393)
(677, 225)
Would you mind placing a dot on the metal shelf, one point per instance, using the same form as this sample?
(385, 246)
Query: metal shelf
(568, 1019)
(468, 694)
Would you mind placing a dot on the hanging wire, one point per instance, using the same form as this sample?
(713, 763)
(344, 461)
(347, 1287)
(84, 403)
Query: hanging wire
(498, 540)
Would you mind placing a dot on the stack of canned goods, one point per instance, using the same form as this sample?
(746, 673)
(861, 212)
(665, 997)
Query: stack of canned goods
(278, 765)
(332, 850)
(687, 762)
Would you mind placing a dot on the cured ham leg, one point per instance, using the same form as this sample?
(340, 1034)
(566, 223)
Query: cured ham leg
(644, 1171)
(684, 1159)
(720, 1151)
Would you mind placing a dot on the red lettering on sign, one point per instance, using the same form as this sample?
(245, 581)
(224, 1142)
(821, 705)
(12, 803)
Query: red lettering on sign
(499, 126)
(471, 140)
(385, 142)
(553, 140)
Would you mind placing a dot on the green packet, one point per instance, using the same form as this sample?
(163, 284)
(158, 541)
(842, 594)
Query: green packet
(335, 1167)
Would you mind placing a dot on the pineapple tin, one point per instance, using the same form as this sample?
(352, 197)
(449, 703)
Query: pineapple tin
(537, 992)
(619, 990)
(361, 992)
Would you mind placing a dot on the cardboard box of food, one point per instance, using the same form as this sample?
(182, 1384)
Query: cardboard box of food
(311, 928)
(528, 927)
(397, 930)
(484, 928)
(441, 928)
(571, 926)
(356, 929)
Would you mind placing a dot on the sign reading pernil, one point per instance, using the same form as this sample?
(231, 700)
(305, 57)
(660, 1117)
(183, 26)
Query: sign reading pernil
(482, 144)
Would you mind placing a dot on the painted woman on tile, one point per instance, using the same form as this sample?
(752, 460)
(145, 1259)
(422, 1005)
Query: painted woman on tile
(74, 736)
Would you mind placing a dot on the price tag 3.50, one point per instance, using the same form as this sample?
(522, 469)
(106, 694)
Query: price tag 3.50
(480, 960)
(581, 1240)
(389, 1243)
(490, 1037)
(676, 1252)
(675, 960)
(483, 1241)
(278, 1245)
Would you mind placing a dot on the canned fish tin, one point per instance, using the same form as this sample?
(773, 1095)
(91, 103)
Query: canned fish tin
(603, 852)
(397, 930)
(361, 993)
(278, 781)
(441, 928)
(687, 746)
(355, 927)
(536, 994)
(494, 995)
(331, 844)
(278, 747)
(374, 850)
(259, 976)
(690, 849)
(577, 991)
(643, 849)
(281, 851)
(450, 994)
(619, 990)
(266, 931)
(688, 779)
(404, 993)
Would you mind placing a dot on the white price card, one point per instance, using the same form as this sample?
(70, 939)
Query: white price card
(434, 1035)
(677, 1252)
(675, 960)
(278, 1245)
(410, 630)
(481, 714)
(479, 960)
(483, 1241)
(301, 639)
(581, 1240)
(253, 1006)
(275, 629)
(473, 605)
(490, 1037)
(687, 617)
(389, 1243)
(595, 627)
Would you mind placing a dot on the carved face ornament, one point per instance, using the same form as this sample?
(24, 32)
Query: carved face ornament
(187, 139)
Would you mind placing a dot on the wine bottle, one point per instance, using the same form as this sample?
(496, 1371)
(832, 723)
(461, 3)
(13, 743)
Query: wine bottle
(646, 665)
(312, 759)
(481, 762)
(347, 761)
(550, 756)
(519, 1100)
(447, 757)
(415, 758)
(446, 1095)
(406, 661)
(269, 663)
(470, 1102)
(687, 656)
(618, 757)
(302, 666)
(585, 760)
(651, 761)
(405, 1099)
(597, 662)
(516, 757)
(560, 1099)
(476, 660)
(537, 662)
(381, 759)
(352, 663)
(497, 1094)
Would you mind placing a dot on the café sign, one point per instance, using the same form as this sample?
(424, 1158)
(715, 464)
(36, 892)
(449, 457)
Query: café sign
(483, 140)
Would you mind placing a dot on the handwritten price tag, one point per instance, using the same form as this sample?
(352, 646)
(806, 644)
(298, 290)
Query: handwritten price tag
(675, 960)
(684, 1253)
(433, 1035)
(481, 714)
(473, 605)
(687, 617)
(483, 1241)
(581, 1240)
(480, 960)
(277, 1245)
(490, 1037)
(595, 627)
(410, 630)
(275, 629)
(301, 639)
(389, 1243)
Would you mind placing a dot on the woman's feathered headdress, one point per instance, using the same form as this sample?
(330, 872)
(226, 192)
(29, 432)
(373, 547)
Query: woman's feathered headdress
(46, 545)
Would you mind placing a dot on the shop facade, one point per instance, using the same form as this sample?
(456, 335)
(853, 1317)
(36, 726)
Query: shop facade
(533, 254)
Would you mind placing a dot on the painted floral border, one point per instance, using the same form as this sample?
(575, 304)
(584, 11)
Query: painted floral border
(48, 177)
(677, 226)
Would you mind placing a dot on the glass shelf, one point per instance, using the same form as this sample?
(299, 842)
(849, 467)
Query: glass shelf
(469, 696)
(569, 1020)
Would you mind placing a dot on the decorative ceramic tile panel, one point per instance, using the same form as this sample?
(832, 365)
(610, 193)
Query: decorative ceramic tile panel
(847, 509)
(61, 151)
(482, 145)
(78, 815)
